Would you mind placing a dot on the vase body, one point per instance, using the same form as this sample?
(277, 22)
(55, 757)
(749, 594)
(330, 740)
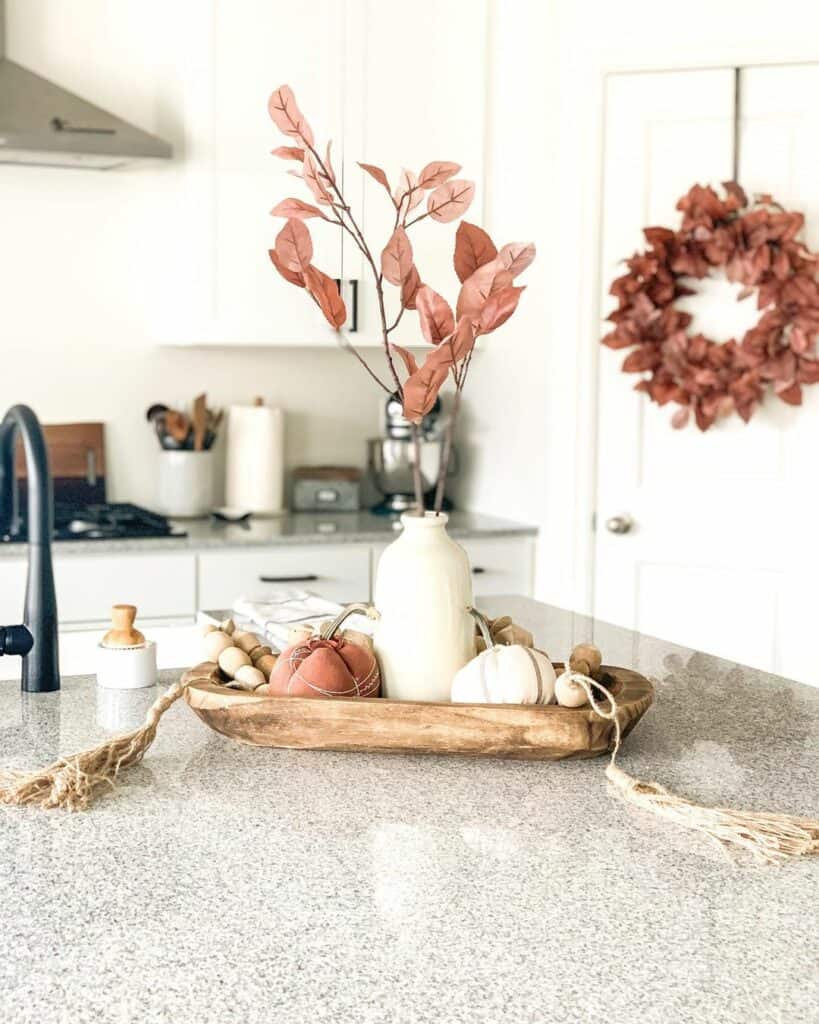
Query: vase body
(423, 590)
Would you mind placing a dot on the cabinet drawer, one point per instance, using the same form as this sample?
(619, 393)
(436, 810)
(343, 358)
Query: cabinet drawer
(160, 585)
(338, 573)
(500, 566)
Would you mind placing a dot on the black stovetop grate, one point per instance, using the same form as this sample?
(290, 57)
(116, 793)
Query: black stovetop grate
(105, 521)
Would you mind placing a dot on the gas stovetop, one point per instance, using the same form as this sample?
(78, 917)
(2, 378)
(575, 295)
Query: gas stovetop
(104, 521)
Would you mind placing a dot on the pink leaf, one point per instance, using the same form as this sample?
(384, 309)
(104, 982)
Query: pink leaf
(378, 174)
(407, 357)
(316, 180)
(473, 249)
(455, 347)
(499, 307)
(296, 208)
(288, 275)
(396, 259)
(450, 200)
(501, 280)
(516, 256)
(476, 289)
(294, 246)
(680, 418)
(407, 190)
(409, 288)
(325, 291)
(289, 153)
(286, 115)
(421, 390)
(435, 314)
(436, 173)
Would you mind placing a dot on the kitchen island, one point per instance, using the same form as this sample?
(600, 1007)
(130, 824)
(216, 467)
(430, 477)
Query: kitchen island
(226, 883)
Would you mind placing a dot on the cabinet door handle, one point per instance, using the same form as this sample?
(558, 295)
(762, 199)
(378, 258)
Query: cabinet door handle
(477, 570)
(354, 285)
(309, 578)
(354, 296)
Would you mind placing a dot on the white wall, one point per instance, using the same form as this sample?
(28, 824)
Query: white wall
(533, 395)
(79, 268)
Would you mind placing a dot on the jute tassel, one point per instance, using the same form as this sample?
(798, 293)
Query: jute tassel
(73, 782)
(769, 838)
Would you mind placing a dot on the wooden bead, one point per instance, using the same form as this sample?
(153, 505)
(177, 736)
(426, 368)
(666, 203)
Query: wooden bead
(214, 643)
(246, 642)
(250, 677)
(259, 652)
(207, 627)
(266, 664)
(231, 660)
(586, 659)
(570, 694)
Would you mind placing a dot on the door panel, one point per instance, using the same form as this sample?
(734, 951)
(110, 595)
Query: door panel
(719, 556)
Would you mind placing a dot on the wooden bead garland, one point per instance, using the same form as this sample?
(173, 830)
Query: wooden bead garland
(242, 657)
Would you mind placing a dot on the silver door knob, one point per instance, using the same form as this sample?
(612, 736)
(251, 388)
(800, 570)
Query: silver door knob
(619, 524)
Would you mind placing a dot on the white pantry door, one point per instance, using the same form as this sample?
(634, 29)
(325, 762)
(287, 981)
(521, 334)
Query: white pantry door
(720, 553)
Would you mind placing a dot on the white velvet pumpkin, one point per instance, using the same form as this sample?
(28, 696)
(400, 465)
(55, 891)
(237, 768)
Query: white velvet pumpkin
(506, 675)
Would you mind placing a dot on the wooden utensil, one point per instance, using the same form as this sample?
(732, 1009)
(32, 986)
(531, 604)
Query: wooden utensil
(177, 425)
(199, 422)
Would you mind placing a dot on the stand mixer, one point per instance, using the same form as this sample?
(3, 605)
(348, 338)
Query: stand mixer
(390, 459)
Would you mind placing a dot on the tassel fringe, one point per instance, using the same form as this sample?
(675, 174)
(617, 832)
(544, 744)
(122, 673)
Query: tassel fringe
(72, 783)
(769, 838)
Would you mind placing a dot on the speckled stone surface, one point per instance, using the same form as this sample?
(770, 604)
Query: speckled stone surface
(224, 883)
(292, 528)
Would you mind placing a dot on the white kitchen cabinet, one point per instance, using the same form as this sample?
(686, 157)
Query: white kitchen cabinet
(409, 101)
(338, 572)
(382, 85)
(221, 287)
(161, 585)
(173, 585)
(500, 565)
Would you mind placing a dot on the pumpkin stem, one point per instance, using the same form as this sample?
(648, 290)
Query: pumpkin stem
(330, 628)
(483, 626)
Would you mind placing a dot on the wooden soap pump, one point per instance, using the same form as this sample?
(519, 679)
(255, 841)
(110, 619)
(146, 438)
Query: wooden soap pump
(122, 632)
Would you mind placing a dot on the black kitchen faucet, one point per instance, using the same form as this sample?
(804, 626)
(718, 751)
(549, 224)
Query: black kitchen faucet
(35, 640)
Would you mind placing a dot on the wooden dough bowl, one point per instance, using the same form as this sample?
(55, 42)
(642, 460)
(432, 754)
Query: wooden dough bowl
(378, 725)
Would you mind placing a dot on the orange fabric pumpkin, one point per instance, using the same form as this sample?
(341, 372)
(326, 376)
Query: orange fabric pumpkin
(327, 666)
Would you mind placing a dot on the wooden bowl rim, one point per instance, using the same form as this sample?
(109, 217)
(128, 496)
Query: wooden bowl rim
(204, 682)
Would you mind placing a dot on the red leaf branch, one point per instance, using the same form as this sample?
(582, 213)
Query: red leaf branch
(487, 297)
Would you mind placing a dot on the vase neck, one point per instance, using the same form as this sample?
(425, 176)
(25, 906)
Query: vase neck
(427, 525)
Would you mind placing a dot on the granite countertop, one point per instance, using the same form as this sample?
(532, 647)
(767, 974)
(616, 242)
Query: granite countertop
(290, 528)
(226, 883)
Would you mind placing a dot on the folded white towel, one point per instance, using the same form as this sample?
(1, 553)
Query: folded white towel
(281, 610)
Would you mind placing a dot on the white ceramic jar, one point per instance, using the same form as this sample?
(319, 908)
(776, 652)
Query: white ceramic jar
(423, 590)
(185, 484)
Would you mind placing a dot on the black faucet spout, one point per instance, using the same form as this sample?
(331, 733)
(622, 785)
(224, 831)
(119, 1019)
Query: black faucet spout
(41, 669)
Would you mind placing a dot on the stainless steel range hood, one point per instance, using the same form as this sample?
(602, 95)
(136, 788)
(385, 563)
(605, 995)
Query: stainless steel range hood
(42, 124)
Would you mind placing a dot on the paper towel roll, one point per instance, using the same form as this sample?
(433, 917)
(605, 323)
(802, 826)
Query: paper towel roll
(254, 470)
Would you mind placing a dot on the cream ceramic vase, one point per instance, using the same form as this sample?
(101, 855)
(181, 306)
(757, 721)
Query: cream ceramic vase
(423, 590)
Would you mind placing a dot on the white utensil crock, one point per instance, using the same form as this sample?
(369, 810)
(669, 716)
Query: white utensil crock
(423, 588)
(185, 483)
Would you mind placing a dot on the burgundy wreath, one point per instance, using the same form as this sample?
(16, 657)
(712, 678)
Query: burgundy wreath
(757, 246)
